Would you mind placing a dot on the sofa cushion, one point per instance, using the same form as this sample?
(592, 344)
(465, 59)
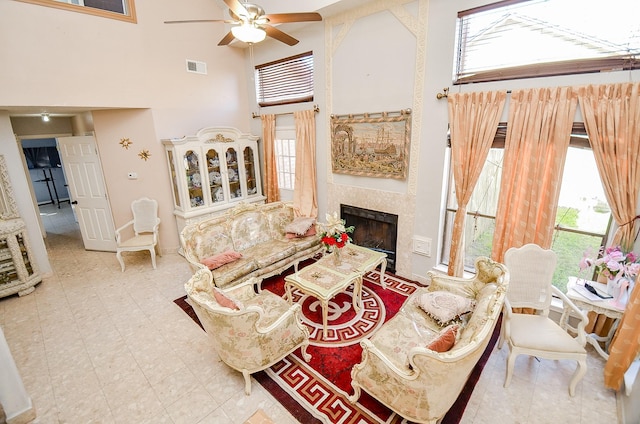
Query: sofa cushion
(310, 232)
(278, 216)
(248, 229)
(300, 225)
(212, 239)
(398, 336)
(225, 300)
(304, 243)
(445, 340)
(270, 252)
(444, 306)
(227, 275)
(272, 305)
(219, 259)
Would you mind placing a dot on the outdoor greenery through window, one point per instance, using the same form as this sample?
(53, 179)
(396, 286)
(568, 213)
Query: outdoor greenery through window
(123, 10)
(285, 81)
(532, 38)
(582, 220)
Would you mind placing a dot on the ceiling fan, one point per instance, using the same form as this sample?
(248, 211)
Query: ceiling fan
(251, 24)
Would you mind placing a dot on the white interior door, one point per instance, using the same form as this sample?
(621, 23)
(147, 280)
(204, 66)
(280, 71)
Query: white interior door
(87, 191)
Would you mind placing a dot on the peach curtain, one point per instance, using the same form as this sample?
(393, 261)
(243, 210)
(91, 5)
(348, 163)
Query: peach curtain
(473, 122)
(305, 197)
(538, 134)
(611, 115)
(270, 170)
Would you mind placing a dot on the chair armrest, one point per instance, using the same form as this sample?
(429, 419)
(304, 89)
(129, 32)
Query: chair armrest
(568, 308)
(118, 230)
(290, 315)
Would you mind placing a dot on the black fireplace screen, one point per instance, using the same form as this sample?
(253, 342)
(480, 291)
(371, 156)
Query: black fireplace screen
(374, 230)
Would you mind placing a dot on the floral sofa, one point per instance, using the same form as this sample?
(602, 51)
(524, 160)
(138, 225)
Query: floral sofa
(250, 331)
(419, 361)
(250, 240)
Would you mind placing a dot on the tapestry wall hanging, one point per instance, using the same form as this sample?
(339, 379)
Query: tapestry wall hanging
(371, 145)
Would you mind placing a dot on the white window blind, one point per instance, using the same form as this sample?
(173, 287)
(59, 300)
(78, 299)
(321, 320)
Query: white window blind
(530, 38)
(289, 80)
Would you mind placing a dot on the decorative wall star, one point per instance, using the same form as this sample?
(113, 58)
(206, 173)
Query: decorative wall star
(144, 154)
(125, 142)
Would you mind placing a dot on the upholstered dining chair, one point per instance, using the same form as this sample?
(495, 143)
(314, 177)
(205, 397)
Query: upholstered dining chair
(531, 268)
(145, 225)
(250, 331)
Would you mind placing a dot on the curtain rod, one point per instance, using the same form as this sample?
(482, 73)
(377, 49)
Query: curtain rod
(445, 93)
(254, 115)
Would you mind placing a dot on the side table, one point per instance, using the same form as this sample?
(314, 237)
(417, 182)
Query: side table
(604, 307)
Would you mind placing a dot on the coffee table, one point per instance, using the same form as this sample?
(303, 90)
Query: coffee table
(324, 279)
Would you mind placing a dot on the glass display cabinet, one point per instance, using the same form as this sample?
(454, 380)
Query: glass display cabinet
(18, 272)
(211, 172)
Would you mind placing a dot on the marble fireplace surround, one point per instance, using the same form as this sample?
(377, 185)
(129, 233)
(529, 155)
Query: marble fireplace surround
(400, 204)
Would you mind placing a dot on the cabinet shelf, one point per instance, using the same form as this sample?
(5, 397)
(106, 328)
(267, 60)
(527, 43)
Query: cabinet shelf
(223, 150)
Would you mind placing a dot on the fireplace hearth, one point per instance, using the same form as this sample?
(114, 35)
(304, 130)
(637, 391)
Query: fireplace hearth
(374, 230)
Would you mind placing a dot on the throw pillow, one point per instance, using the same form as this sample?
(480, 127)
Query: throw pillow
(444, 306)
(224, 300)
(445, 340)
(300, 225)
(216, 261)
(310, 232)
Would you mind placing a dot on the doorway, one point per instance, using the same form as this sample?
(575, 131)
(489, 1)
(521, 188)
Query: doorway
(45, 171)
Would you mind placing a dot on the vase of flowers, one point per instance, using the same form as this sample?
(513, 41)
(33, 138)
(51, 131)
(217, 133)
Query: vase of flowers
(619, 268)
(335, 235)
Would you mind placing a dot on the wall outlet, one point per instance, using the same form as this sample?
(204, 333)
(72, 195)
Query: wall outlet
(132, 175)
(422, 246)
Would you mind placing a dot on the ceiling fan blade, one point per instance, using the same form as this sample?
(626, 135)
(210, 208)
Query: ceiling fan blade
(274, 32)
(226, 39)
(237, 8)
(281, 18)
(199, 20)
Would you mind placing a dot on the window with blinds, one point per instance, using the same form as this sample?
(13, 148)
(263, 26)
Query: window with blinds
(532, 38)
(285, 81)
(123, 10)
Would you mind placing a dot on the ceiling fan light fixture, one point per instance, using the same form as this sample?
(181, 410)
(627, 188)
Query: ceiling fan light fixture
(248, 33)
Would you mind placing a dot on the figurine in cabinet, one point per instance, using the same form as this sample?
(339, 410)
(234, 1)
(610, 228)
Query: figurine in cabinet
(215, 177)
(196, 180)
(218, 195)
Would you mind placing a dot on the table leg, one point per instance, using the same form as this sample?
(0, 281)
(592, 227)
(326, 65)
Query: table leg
(325, 307)
(357, 294)
(593, 340)
(289, 294)
(383, 267)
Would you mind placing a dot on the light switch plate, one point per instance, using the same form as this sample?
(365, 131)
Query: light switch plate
(422, 246)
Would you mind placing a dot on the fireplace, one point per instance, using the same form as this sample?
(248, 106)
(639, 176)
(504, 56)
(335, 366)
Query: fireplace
(375, 230)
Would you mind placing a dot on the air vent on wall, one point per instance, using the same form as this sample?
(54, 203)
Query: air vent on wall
(196, 67)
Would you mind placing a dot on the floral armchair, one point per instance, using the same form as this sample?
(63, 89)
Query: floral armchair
(251, 331)
(406, 365)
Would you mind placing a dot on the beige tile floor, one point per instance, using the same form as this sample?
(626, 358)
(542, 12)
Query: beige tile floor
(95, 345)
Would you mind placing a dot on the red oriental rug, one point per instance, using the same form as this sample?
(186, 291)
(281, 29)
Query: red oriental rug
(317, 391)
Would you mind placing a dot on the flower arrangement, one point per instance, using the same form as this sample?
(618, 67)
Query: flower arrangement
(612, 262)
(335, 233)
